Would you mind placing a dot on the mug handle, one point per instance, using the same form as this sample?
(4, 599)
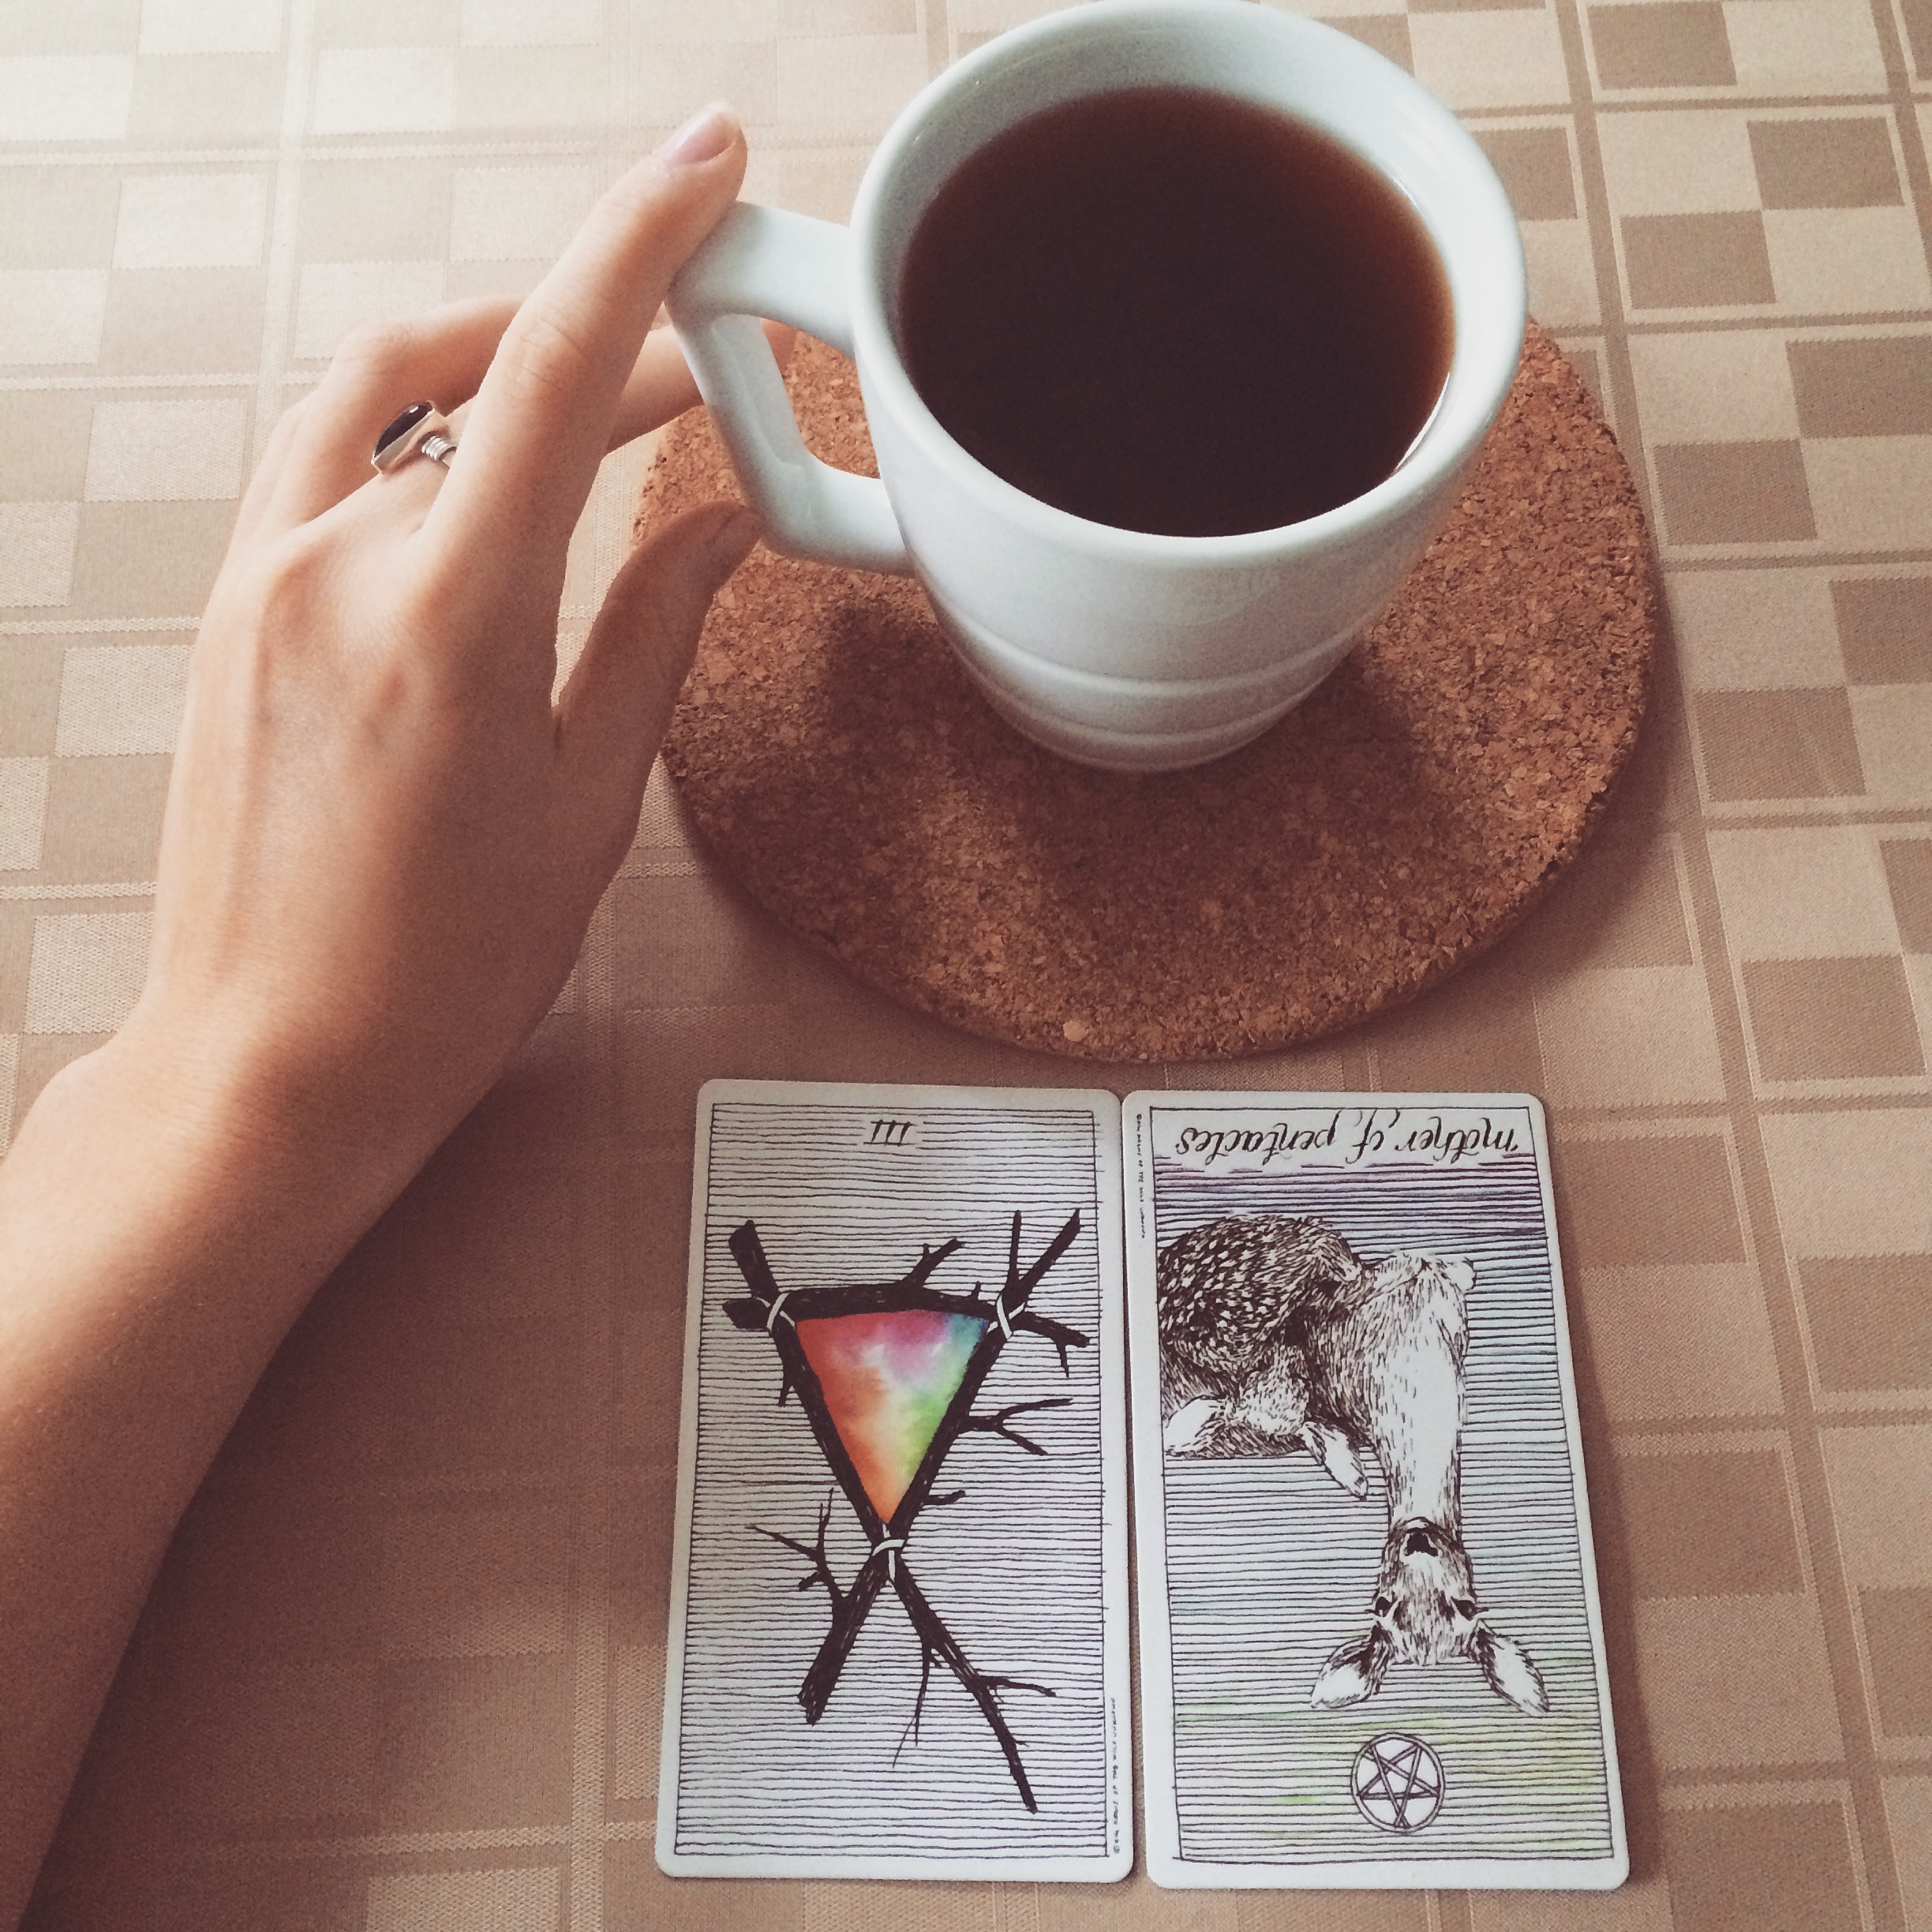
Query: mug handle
(761, 261)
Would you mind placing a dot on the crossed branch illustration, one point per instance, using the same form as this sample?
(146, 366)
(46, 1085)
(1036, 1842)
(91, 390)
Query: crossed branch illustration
(778, 1312)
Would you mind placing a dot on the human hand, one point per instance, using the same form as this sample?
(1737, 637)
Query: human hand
(384, 841)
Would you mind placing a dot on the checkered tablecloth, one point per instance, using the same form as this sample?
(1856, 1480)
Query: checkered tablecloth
(403, 1670)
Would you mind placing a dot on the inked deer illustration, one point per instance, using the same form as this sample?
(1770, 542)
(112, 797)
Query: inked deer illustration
(1275, 1335)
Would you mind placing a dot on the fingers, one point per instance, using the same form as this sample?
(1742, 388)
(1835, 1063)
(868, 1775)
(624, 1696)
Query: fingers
(620, 697)
(319, 451)
(441, 355)
(542, 417)
(261, 486)
(378, 372)
(661, 385)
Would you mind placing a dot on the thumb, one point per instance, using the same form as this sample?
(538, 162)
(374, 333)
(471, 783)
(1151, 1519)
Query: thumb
(621, 692)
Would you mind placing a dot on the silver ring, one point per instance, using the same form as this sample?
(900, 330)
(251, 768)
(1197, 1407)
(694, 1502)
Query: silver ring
(419, 431)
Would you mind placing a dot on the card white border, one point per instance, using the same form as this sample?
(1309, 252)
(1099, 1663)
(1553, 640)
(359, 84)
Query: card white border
(1116, 1680)
(1161, 1827)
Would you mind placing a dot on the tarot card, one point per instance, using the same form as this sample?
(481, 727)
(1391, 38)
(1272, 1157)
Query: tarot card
(899, 1625)
(1371, 1648)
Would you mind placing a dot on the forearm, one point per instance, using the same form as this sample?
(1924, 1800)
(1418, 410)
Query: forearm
(159, 1242)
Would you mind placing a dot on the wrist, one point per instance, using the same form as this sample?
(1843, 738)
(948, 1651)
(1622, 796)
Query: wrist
(215, 1155)
(337, 1125)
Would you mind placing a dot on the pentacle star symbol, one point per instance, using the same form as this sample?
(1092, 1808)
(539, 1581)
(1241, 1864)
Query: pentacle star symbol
(1397, 1782)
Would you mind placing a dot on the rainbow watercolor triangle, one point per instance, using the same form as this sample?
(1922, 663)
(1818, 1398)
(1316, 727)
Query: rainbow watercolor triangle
(888, 1379)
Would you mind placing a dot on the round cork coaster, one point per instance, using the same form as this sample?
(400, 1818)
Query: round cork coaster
(1381, 835)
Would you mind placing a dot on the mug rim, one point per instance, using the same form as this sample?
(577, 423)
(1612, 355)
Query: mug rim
(1448, 436)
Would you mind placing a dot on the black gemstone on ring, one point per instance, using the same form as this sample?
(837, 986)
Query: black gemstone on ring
(399, 428)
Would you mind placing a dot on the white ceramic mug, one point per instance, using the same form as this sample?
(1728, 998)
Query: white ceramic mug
(1116, 648)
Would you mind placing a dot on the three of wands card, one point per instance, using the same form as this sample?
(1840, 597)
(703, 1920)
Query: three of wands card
(1371, 1652)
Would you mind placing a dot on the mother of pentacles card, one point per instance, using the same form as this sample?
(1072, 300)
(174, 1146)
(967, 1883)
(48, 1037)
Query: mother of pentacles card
(898, 1639)
(1371, 1651)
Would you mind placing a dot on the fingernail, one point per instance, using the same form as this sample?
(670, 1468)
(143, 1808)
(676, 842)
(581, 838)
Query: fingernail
(703, 137)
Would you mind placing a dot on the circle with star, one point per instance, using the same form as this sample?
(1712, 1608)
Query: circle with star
(1397, 1782)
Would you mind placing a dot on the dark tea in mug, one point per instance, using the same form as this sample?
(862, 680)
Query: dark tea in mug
(1175, 312)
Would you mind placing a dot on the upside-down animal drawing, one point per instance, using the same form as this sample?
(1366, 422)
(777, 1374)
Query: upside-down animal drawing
(887, 1373)
(1275, 1335)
